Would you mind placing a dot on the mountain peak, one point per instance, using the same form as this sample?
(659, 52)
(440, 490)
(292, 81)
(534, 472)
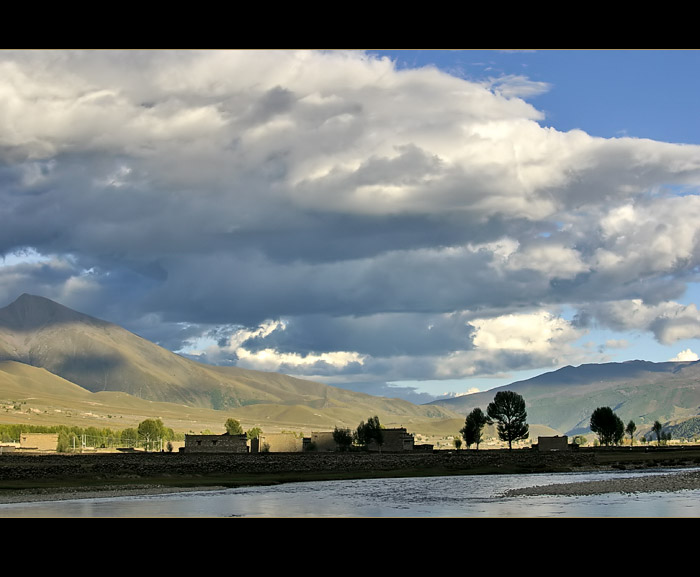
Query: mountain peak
(29, 312)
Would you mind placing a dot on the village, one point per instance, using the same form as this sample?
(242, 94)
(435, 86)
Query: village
(395, 440)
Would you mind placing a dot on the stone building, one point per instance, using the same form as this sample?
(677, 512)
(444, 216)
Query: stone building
(323, 441)
(553, 443)
(277, 443)
(216, 443)
(395, 441)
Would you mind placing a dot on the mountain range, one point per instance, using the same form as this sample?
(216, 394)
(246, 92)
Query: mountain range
(62, 362)
(101, 357)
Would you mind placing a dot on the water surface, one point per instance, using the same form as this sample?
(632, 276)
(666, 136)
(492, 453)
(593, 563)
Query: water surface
(454, 496)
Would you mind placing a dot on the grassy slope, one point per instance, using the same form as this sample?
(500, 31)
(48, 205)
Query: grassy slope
(35, 396)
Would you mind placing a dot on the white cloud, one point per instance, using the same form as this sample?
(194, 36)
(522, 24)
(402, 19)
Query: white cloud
(308, 366)
(656, 236)
(517, 86)
(539, 332)
(471, 391)
(513, 342)
(686, 355)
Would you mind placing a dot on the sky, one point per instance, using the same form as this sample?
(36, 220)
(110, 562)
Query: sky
(417, 224)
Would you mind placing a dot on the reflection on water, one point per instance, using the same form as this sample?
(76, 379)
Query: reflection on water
(461, 496)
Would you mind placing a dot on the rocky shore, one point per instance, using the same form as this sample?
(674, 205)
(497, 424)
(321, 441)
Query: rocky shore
(668, 482)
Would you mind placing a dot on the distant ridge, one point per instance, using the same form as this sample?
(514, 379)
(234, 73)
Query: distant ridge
(637, 390)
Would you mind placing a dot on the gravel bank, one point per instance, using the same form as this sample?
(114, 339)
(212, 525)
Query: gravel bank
(670, 482)
(35, 495)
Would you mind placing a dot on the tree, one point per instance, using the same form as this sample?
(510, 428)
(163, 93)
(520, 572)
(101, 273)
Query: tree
(254, 433)
(64, 442)
(458, 443)
(619, 431)
(631, 428)
(152, 431)
(657, 428)
(473, 427)
(368, 432)
(233, 427)
(508, 410)
(579, 440)
(607, 425)
(129, 437)
(343, 438)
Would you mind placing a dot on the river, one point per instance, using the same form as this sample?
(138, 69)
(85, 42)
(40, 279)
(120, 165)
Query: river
(453, 496)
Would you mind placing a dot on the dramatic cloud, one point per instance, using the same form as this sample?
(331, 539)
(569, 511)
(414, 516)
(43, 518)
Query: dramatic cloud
(325, 214)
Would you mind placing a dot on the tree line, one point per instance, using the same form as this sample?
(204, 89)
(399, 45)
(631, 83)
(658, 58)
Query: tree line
(149, 433)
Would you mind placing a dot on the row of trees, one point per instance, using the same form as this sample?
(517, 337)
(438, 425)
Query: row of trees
(150, 433)
(508, 412)
(611, 430)
(366, 432)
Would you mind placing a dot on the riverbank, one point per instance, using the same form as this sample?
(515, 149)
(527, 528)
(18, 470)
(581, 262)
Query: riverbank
(8, 497)
(26, 478)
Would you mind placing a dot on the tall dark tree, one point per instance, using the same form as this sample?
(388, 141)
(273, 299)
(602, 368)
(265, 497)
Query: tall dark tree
(607, 425)
(657, 428)
(508, 411)
(630, 429)
(343, 438)
(473, 427)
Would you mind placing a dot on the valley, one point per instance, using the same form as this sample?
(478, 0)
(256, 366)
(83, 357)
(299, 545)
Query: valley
(61, 367)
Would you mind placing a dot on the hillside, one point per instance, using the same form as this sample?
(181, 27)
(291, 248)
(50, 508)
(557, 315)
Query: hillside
(100, 358)
(637, 390)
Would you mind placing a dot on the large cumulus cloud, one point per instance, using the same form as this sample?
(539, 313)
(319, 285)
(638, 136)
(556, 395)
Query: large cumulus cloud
(326, 214)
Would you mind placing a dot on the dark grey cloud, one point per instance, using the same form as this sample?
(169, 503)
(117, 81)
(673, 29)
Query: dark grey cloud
(396, 224)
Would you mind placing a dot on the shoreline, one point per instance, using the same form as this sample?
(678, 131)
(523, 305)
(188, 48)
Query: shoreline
(682, 479)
